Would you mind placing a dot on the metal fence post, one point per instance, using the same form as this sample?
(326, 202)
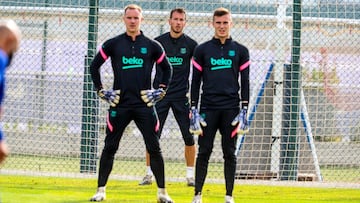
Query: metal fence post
(292, 83)
(90, 112)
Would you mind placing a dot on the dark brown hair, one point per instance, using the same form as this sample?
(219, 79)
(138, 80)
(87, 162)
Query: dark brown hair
(178, 10)
(220, 12)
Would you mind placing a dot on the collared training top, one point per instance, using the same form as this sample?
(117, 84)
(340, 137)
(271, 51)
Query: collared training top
(219, 66)
(132, 63)
(179, 52)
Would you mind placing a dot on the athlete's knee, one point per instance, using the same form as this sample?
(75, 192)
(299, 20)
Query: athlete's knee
(110, 150)
(229, 154)
(153, 152)
(189, 140)
(108, 153)
(204, 153)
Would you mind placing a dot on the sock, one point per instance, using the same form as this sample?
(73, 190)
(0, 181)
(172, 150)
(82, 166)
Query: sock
(149, 171)
(101, 189)
(228, 197)
(162, 191)
(189, 172)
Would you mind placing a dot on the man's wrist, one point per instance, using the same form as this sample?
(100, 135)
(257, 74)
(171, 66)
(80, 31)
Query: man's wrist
(162, 86)
(244, 105)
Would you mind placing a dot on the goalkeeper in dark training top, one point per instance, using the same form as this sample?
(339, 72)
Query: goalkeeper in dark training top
(219, 64)
(179, 49)
(132, 58)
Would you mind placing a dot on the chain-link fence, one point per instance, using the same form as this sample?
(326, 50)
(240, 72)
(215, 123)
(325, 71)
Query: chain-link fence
(304, 109)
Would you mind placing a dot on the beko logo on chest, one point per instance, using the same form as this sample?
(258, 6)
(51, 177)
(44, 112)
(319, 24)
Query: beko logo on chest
(218, 64)
(221, 62)
(175, 60)
(132, 62)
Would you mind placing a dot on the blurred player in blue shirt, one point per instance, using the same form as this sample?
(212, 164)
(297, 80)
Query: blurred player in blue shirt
(10, 36)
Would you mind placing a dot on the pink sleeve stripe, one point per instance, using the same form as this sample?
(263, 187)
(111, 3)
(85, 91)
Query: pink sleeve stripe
(234, 132)
(244, 66)
(111, 128)
(161, 58)
(105, 57)
(157, 126)
(196, 65)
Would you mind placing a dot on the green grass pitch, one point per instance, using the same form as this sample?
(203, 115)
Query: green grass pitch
(35, 189)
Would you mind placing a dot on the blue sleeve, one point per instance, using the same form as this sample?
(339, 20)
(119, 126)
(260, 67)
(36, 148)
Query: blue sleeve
(3, 63)
(4, 59)
(1, 135)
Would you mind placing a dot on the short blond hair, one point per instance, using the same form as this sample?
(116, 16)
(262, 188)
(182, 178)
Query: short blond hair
(133, 6)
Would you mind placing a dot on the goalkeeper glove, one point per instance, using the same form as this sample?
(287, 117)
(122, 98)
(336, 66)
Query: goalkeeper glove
(241, 121)
(151, 97)
(195, 121)
(110, 96)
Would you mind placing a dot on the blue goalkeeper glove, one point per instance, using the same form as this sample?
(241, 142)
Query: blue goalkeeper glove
(110, 96)
(196, 121)
(151, 97)
(241, 121)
